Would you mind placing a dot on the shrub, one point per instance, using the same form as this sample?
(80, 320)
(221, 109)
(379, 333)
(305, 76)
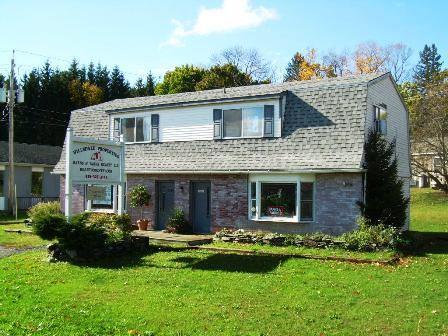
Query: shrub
(43, 209)
(177, 223)
(371, 237)
(48, 225)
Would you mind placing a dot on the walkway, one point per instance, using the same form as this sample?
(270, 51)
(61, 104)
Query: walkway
(163, 237)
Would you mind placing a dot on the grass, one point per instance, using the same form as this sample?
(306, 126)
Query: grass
(18, 240)
(429, 210)
(184, 292)
(322, 252)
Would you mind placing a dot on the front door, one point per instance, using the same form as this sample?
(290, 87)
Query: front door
(165, 202)
(201, 206)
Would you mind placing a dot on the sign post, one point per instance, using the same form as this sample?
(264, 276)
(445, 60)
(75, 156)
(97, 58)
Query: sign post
(92, 161)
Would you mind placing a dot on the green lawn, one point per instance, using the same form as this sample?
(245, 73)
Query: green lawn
(9, 239)
(174, 292)
(429, 210)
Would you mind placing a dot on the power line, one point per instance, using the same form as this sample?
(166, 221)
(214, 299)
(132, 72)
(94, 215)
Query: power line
(37, 123)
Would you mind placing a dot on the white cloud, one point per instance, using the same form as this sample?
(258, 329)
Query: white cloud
(232, 15)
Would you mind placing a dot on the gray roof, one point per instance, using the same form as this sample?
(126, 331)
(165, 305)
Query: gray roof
(31, 153)
(323, 128)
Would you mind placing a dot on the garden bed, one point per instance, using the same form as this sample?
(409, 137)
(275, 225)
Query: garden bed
(386, 257)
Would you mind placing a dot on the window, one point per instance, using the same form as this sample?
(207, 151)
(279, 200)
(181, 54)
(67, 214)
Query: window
(1, 183)
(437, 163)
(380, 118)
(306, 201)
(278, 199)
(117, 129)
(246, 122)
(253, 121)
(133, 129)
(253, 199)
(290, 201)
(128, 129)
(232, 123)
(105, 203)
(36, 183)
(143, 127)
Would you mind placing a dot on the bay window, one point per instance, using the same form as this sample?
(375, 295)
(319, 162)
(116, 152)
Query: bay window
(278, 199)
(284, 198)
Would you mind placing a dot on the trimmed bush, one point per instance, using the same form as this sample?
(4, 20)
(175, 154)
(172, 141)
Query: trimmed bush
(49, 226)
(41, 209)
(177, 223)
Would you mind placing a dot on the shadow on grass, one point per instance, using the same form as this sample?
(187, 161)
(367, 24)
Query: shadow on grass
(424, 243)
(124, 260)
(234, 263)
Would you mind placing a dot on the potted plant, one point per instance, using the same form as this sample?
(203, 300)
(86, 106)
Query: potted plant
(138, 198)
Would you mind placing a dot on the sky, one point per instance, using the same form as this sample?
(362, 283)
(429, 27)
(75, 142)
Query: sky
(141, 36)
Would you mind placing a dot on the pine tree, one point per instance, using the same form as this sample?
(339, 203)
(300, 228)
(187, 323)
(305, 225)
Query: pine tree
(428, 69)
(150, 85)
(102, 80)
(139, 89)
(385, 201)
(119, 86)
(91, 73)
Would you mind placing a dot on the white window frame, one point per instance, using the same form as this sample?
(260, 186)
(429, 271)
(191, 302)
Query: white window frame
(135, 128)
(271, 178)
(377, 119)
(242, 108)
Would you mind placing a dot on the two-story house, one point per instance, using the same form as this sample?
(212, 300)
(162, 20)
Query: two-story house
(282, 157)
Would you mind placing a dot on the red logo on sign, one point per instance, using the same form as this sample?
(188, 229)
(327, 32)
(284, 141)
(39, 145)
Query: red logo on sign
(96, 156)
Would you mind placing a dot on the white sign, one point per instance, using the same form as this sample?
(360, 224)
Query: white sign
(95, 163)
(97, 193)
(92, 161)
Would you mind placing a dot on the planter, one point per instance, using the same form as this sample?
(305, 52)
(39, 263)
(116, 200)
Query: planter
(143, 224)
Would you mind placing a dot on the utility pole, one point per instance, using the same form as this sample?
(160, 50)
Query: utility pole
(11, 101)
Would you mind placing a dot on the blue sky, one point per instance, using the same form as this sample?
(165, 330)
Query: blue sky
(139, 35)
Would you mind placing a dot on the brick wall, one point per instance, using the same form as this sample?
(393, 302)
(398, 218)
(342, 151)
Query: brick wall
(335, 201)
(228, 196)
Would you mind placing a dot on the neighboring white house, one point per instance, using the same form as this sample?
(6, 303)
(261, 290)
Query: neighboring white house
(33, 178)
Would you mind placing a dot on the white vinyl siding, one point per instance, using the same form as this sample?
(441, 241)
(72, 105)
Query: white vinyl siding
(383, 92)
(195, 122)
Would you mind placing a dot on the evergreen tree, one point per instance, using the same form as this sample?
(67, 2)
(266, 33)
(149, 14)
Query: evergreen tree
(102, 80)
(91, 73)
(150, 85)
(2, 81)
(385, 201)
(428, 69)
(139, 89)
(119, 86)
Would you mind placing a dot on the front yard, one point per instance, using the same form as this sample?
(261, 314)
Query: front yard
(173, 292)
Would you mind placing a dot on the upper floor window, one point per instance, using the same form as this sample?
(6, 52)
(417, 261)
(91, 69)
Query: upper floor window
(380, 119)
(244, 122)
(135, 129)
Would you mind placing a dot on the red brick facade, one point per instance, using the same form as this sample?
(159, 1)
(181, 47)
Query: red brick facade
(336, 197)
(228, 197)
